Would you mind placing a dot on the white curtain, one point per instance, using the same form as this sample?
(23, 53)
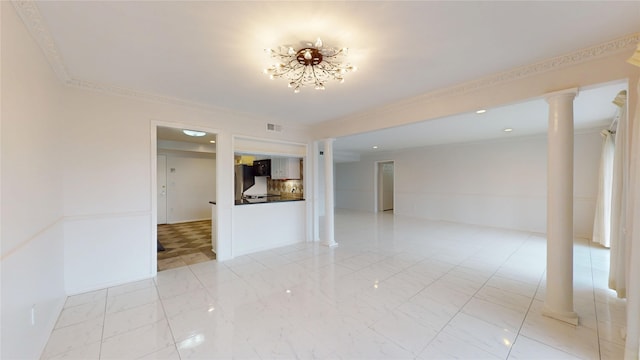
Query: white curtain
(632, 346)
(602, 220)
(618, 267)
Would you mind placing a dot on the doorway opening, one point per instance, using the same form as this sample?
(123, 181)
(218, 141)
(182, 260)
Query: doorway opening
(185, 180)
(385, 186)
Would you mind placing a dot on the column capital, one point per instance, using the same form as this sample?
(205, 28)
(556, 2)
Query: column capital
(573, 92)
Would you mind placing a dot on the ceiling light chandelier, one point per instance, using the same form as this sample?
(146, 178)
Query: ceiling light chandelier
(194, 133)
(312, 65)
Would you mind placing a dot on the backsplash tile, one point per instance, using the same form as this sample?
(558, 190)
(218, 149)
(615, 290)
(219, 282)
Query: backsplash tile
(275, 187)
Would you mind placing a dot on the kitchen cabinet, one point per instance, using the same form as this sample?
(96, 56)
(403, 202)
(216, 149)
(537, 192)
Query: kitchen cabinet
(244, 159)
(285, 168)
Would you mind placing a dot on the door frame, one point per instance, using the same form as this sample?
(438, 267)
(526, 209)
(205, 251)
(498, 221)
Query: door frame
(377, 184)
(154, 124)
(158, 157)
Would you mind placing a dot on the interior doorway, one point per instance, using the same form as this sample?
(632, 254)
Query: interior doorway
(385, 186)
(185, 188)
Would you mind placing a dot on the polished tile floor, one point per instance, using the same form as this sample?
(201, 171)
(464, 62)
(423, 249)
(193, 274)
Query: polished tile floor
(185, 244)
(394, 288)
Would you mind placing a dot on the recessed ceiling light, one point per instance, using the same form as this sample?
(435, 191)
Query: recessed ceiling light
(375, 146)
(481, 111)
(194, 132)
(508, 130)
(212, 141)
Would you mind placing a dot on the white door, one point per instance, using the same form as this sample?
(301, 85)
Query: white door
(385, 186)
(162, 189)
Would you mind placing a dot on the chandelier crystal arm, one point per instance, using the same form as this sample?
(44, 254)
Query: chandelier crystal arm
(313, 65)
(318, 83)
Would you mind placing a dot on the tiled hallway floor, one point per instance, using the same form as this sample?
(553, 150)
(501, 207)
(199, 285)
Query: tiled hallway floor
(394, 288)
(185, 244)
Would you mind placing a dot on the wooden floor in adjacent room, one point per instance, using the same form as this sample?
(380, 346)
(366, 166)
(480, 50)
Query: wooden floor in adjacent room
(185, 244)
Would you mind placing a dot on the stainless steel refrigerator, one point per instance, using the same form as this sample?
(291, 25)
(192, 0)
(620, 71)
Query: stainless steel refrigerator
(244, 179)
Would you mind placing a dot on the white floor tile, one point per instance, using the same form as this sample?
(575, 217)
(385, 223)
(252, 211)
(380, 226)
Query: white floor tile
(168, 353)
(197, 299)
(89, 297)
(131, 287)
(515, 286)
(429, 312)
(405, 331)
(445, 346)
(80, 313)
(168, 289)
(611, 351)
(611, 332)
(128, 320)
(505, 298)
(498, 315)
(211, 279)
(396, 287)
(525, 348)
(138, 342)
(207, 267)
(473, 331)
(370, 345)
(87, 352)
(446, 293)
(191, 323)
(577, 340)
(132, 299)
(73, 337)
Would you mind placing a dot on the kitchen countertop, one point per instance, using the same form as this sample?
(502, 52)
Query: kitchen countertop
(267, 200)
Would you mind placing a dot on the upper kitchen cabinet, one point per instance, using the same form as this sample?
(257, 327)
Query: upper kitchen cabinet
(285, 168)
(241, 159)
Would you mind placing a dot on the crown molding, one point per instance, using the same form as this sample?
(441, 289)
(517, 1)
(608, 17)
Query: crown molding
(577, 57)
(580, 56)
(31, 17)
(141, 95)
(28, 11)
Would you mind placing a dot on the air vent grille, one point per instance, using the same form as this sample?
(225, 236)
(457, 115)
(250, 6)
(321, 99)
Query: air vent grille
(274, 127)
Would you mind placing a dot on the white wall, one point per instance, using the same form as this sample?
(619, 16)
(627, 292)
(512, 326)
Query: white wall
(259, 227)
(32, 261)
(493, 183)
(77, 184)
(191, 184)
(354, 185)
(108, 181)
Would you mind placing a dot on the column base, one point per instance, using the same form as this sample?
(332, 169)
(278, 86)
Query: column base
(329, 244)
(570, 317)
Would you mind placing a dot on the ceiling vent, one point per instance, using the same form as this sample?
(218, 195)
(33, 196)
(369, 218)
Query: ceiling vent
(274, 128)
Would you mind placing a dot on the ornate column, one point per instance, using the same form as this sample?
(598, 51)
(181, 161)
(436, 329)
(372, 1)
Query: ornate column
(328, 194)
(558, 302)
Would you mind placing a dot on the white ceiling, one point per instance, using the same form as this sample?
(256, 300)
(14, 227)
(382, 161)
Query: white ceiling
(175, 134)
(592, 108)
(211, 53)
